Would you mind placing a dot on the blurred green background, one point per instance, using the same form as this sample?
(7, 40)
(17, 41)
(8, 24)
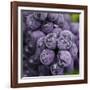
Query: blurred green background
(75, 72)
(75, 17)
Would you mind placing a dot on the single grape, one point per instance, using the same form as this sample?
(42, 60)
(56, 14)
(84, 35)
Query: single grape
(37, 34)
(53, 16)
(40, 16)
(60, 20)
(69, 69)
(67, 17)
(75, 28)
(50, 41)
(57, 31)
(65, 40)
(47, 28)
(32, 23)
(64, 58)
(66, 26)
(47, 56)
(40, 43)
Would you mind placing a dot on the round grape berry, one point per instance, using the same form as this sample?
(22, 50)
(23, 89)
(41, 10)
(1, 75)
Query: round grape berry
(74, 50)
(65, 40)
(57, 31)
(53, 16)
(64, 58)
(37, 34)
(40, 16)
(50, 41)
(32, 23)
(47, 56)
(75, 28)
(40, 43)
(47, 28)
(67, 17)
(60, 20)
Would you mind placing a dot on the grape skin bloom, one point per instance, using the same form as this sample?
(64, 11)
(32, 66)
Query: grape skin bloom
(47, 56)
(65, 40)
(32, 23)
(40, 16)
(50, 41)
(47, 28)
(53, 16)
(64, 58)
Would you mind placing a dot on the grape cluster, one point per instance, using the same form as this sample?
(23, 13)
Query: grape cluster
(50, 43)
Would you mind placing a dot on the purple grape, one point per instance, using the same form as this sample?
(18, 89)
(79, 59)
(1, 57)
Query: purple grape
(40, 43)
(60, 20)
(64, 58)
(67, 17)
(40, 46)
(37, 34)
(75, 28)
(63, 44)
(65, 40)
(53, 16)
(40, 16)
(24, 15)
(56, 69)
(47, 28)
(67, 35)
(32, 23)
(70, 68)
(66, 26)
(57, 31)
(47, 56)
(74, 50)
(50, 41)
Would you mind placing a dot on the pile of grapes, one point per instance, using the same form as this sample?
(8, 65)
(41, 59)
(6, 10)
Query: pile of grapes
(50, 44)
